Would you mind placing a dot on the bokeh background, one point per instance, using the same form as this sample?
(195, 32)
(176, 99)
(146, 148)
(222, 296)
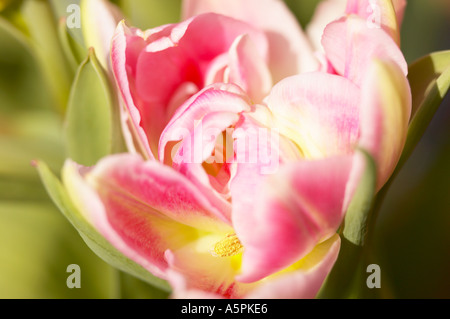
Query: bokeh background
(412, 234)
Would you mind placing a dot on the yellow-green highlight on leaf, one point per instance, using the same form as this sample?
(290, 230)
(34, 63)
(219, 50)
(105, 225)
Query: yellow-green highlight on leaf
(358, 214)
(92, 238)
(429, 78)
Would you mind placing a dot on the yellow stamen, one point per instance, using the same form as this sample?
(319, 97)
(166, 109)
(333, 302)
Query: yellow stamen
(227, 247)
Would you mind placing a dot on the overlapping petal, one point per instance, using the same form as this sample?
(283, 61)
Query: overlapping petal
(289, 49)
(143, 207)
(350, 45)
(326, 12)
(318, 111)
(298, 207)
(385, 113)
(378, 14)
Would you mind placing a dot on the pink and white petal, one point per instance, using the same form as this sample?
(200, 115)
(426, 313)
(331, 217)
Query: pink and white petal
(219, 97)
(216, 71)
(197, 175)
(350, 45)
(191, 137)
(326, 12)
(317, 111)
(157, 187)
(126, 47)
(193, 156)
(248, 69)
(210, 35)
(142, 208)
(385, 113)
(303, 279)
(183, 93)
(298, 207)
(161, 68)
(289, 49)
(255, 159)
(142, 238)
(377, 14)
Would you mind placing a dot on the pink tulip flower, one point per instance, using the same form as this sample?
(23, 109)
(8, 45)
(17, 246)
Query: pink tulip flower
(245, 171)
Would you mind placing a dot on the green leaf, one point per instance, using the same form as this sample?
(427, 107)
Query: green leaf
(19, 73)
(90, 235)
(89, 121)
(358, 214)
(147, 14)
(345, 275)
(429, 78)
(73, 51)
(62, 10)
(39, 19)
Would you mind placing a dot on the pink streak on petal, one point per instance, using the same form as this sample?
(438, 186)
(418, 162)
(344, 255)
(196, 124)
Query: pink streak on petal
(126, 46)
(289, 49)
(216, 98)
(319, 111)
(298, 207)
(350, 46)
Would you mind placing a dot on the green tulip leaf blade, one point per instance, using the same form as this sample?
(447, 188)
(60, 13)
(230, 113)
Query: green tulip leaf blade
(74, 52)
(358, 213)
(93, 239)
(89, 119)
(429, 78)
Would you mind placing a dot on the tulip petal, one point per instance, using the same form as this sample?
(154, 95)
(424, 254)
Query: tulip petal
(193, 268)
(223, 102)
(227, 98)
(378, 14)
(142, 208)
(304, 278)
(248, 69)
(350, 45)
(290, 51)
(326, 12)
(385, 113)
(157, 70)
(318, 111)
(126, 46)
(298, 207)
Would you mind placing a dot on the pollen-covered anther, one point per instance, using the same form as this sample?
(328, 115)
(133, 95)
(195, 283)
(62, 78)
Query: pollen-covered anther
(227, 247)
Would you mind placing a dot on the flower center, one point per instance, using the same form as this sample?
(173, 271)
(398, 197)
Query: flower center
(227, 247)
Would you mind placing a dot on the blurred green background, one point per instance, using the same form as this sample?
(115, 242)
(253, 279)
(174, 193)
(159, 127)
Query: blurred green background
(412, 237)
